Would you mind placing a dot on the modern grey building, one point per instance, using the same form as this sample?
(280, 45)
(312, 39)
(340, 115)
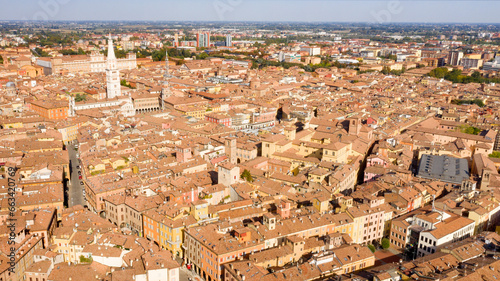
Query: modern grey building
(443, 168)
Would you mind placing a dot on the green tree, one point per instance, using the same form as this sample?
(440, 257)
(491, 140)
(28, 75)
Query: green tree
(478, 102)
(68, 52)
(385, 243)
(439, 72)
(202, 56)
(79, 97)
(470, 130)
(40, 52)
(456, 76)
(372, 248)
(120, 54)
(246, 175)
(495, 154)
(83, 259)
(124, 83)
(158, 55)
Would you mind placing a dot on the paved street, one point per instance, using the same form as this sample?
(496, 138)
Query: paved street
(75, 189)
(185, 274)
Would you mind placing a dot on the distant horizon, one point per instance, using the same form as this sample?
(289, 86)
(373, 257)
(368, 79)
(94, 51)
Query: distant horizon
(252, 21)
(266, 11)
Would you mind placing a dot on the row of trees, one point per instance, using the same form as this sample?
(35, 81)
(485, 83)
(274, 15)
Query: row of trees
(385, 244)
(159, 55)
(478, 102)
(456, 76)
(73, 52)
(41, 53)
(386, 70)
(262, 63)
(470, 130)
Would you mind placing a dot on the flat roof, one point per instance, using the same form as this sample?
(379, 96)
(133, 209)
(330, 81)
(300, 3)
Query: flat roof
(444, 168)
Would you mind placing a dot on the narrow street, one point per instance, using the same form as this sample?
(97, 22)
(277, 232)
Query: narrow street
(185, 274)
(75, 188)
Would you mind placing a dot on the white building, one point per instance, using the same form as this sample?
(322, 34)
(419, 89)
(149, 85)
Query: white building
(494, 65)
(312, 50)
(120, 105)
(451, 229)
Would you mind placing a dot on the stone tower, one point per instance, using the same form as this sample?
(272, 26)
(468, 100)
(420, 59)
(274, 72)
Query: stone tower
(113, 87)
(230, 147)
(165, 91)
(354, 126)
(71, 110)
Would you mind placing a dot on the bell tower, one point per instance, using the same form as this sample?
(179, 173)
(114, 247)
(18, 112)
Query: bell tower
(165, 91)
(113, 88)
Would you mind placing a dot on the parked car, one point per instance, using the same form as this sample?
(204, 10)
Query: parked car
(80, 173)
(81, 182)
(80, 177)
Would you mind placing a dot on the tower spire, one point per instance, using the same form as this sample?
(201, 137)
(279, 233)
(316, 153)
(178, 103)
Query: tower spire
(166, 76)
(112, 73)
(111, 51)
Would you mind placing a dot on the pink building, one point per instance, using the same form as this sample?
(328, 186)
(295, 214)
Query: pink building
(183, 153)
(263, 116)
(219, 118)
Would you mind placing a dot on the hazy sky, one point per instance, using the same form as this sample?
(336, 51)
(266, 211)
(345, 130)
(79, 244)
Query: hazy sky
(255, 10)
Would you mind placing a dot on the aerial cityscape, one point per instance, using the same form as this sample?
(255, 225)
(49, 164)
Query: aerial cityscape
(243, 140)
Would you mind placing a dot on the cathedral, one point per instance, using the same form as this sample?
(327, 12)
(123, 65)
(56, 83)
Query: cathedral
(114, 103)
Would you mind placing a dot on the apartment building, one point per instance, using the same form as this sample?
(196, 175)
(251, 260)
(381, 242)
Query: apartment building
(58, 110)
(369, 221)
(126, 210)
(452, 229)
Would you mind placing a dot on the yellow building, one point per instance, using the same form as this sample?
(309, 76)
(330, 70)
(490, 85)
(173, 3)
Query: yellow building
(344, 224)
(321, 203)
(68, 131)
(166, 225)
(96, 166)
(336, 152)
(118, 163)
(196, 111)
(199, 210)
(12, 125)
